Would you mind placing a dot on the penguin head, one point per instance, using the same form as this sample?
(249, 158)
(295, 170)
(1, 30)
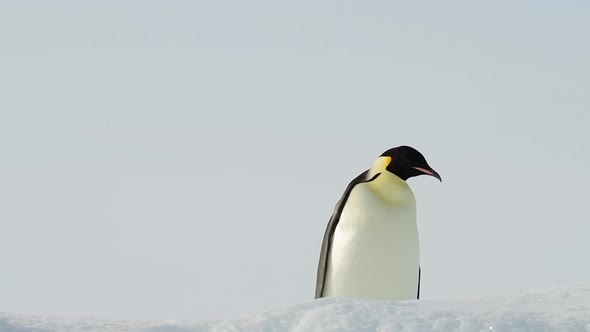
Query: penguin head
(406, 162)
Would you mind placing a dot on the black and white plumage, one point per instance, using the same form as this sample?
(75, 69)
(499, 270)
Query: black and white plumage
(371, 248)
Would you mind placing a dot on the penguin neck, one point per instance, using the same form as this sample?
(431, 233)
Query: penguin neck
(391, 188)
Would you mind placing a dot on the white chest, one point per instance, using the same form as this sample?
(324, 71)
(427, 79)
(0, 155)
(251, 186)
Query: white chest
(375, 249)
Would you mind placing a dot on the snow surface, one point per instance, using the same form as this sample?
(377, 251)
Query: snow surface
(555, 309)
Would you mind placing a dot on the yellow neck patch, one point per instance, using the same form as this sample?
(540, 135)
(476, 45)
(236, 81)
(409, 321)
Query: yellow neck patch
(380, 165)
(388, 186)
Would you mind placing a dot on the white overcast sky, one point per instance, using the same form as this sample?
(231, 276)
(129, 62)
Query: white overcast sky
(181, 159)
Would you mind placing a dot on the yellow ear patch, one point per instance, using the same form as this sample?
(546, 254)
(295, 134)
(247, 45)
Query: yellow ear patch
(388, 186)
(381, 164)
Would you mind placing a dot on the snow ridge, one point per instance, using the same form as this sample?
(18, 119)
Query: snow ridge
(554, 309)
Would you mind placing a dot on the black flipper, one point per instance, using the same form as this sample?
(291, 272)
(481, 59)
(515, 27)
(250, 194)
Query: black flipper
(327, 242)
(419, 274)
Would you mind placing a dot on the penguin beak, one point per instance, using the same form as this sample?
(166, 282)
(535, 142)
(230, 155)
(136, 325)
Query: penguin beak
(428, 171)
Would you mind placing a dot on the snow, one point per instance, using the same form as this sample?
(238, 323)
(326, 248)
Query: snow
(555, 309)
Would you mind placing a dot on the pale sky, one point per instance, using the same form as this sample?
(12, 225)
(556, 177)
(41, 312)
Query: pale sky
(181, 159)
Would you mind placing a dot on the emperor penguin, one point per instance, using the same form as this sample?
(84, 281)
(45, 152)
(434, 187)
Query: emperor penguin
(370, 248)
